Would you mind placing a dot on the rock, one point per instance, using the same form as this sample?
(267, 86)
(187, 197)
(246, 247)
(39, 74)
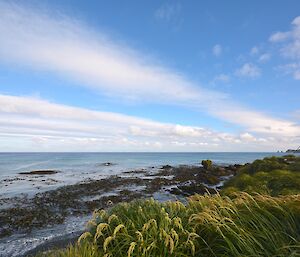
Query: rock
(166, 167)
(4, 232)
(106, 164)
(193, 188)
(39, 172)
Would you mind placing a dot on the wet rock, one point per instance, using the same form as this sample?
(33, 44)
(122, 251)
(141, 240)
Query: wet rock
(39, 172)
(106, 164)
(193, 188)
(5, 232)
(166, 167)
(135, 172)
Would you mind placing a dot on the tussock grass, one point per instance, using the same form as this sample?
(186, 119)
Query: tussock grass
(209, 225)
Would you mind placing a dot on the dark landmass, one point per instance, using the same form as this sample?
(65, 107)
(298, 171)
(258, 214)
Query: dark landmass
(293, 150)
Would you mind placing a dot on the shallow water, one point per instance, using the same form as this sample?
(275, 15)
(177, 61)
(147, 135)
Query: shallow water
(19, 244)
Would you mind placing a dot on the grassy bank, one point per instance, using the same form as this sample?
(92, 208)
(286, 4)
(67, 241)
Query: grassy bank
(273, 176)
(232, 223)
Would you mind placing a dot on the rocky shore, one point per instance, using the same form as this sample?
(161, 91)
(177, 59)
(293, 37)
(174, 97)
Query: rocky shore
(23, 213)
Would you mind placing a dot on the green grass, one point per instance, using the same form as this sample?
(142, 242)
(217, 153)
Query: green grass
(264, 220)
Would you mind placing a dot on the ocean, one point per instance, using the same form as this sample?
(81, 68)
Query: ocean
(76, 167)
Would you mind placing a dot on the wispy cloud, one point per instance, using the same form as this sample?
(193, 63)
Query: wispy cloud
(221, 78)
(289, 42)
(217, 50)
(290, 68)
(64, 46)
(254, 50)
(68, 48)
(168, 12)
(248, 70)
(264, 57)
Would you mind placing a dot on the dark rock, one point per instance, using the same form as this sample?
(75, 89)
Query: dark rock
(135, 172)
(193, 188)
(107, 164)
(39, 172)
(5, 232)
(166, 167)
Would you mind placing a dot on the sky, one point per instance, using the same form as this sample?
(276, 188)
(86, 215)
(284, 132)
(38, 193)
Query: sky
(157, 76)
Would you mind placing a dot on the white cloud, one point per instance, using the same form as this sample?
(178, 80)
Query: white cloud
(65, 46)
(279, 37)
(59, 127)
(260, 123)
(68, 48)
(291, 68)
(217, 50)
(248, 137)
(264, 58)
(248, 70)
(290, 46)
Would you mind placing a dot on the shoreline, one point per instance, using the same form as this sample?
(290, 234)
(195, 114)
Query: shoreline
(55, 206)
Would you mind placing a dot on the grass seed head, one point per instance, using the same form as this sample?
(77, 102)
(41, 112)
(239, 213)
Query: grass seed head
(106, 243)
(112, 217)
(131, 248)
(84, 236)
(118, 228)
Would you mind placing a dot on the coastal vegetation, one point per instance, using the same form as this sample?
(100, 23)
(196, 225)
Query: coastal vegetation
(207, 164)
(257, 213)
(272, 175)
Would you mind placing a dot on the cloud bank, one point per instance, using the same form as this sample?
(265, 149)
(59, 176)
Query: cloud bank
(40, 125)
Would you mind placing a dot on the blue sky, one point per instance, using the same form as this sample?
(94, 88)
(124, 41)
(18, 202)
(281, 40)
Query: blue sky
(149, 75)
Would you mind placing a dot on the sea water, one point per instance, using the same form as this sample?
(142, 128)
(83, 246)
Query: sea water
(76, 167)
